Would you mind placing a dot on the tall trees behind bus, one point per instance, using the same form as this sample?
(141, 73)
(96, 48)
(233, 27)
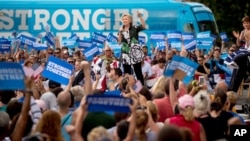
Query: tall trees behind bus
(228, 14)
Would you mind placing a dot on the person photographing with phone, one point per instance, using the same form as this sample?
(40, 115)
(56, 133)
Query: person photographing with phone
(131, 53)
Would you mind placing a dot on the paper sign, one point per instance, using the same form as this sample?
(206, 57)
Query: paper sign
(112, 38)
(38, 46)
(181, 68)
(91, 52)
(99, 38)
(58, 70)
(84, 44)
(49, 37)
(11, 76)
(103, 103)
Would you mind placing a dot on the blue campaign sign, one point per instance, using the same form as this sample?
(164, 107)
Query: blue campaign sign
(142, 40)
(113, 93)
(85, 44)
(5, 46)
(3, 39)
(27, 40)
(58, 70)
(154, 37)
(174, 36)
(115, 46)
(69, 43)
(112, 38)
(190, 44)
(161, 45)
(204, 43)
(11, 76)
(181, 68)
(98, 37)
(38, 46)
(205, 34)
(50, 38)
(174, 39)
(224, 37)
(187, 36)
(101, 103)
(91, 52)
(74, 37)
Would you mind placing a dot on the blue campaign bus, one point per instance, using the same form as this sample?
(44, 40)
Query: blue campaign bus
(86, 16)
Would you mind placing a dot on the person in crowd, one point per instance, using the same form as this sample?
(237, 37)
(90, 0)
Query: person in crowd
(202, 115)
(131, 51)
(240, 36)
(164, 104)
(186, 118)
(203, 68)
(78, 75)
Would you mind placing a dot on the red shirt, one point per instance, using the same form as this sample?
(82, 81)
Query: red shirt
(194, 125)
(165, 108)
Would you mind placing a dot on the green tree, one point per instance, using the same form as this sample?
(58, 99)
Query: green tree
(228, 14)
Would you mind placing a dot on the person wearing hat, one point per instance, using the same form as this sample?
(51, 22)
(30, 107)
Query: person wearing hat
(186, 118)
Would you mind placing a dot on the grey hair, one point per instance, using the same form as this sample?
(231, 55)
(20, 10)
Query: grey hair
(202, 102)
(4, 123)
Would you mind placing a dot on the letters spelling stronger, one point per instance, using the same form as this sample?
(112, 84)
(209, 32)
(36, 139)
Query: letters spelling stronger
(57, 69)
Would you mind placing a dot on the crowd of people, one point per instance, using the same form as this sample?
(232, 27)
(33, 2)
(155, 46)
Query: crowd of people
(163, 109)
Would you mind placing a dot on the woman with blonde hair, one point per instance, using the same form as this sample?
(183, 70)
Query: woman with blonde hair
(158, 86)
(50, 124)
(128, 37)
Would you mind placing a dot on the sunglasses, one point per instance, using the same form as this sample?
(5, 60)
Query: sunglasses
(71, 62)
(107, 50)
(232, 50)
(199, 60)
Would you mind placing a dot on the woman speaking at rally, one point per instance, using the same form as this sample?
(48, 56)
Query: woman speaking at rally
(131, 52)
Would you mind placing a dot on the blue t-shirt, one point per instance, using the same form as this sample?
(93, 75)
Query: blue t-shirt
(66, 120)
(240, 117)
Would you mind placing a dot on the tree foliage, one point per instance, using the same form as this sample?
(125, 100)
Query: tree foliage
(228, 14)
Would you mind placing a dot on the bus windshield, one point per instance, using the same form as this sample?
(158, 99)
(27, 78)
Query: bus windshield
(206, 22)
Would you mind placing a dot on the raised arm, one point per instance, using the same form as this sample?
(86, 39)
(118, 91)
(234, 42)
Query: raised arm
(23, 118)
(172, 93)
(141, 20)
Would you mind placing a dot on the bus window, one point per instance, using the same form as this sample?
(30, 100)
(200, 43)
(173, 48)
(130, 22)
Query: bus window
(188, 27)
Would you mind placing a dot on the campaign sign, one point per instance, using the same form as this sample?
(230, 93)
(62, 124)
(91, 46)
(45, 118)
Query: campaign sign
(74, 37)
(38, 46)
(115, 47)
(91, 52)
(224, 37)
(113, 93)
(174, 36)
(98, 37)
(157, 36)
(49, 37)
(204, 43)
(84, 44)
(3, 39)
(161, 45)
(174, 39)
(27, 40)
(100, 103)
(187, 36)
(57, 70)
(112, 38)
(181, 68)
(5, 46)
(11, 76)
(190, 44)
(69, 43)
(205, 34)
(142, 40)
